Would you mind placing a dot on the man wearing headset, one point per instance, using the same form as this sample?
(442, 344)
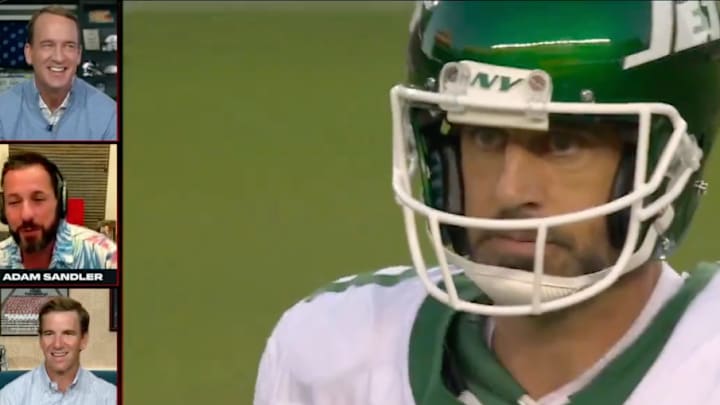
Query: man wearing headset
(34, 205)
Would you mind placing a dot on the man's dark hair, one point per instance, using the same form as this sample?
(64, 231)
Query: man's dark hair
(25, 159)
(54, 10)
(62, 304)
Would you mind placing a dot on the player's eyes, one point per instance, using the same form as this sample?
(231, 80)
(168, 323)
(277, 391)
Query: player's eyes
(488, 138)
(564, 143)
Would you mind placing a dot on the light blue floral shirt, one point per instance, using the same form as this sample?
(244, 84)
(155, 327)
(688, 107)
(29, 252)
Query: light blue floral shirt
(76, 247)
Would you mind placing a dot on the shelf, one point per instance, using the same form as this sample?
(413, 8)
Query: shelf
(99, 56)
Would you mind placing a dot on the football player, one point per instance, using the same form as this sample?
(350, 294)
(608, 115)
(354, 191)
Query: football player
(553, 154)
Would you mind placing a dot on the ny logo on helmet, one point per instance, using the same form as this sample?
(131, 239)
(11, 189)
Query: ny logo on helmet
(487, 81)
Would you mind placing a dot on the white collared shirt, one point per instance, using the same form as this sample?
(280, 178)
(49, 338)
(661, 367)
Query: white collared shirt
(36, 388)
(53, 117)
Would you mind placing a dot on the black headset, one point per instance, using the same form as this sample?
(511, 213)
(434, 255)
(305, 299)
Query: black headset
(24, 159)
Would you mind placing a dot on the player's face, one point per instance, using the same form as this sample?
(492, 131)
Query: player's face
(513, 174)
(62, 341)
(54, 53)
(30, 207)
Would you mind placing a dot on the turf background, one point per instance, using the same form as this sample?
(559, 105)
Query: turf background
(256, 168)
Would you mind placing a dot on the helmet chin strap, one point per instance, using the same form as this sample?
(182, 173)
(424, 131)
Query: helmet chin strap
(507, 286)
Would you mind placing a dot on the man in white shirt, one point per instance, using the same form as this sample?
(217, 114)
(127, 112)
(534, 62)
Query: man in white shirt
(60, 380)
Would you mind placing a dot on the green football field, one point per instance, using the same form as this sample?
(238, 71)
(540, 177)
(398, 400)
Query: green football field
(257, 167)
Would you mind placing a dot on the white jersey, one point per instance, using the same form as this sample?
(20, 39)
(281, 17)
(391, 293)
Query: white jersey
(379, 339)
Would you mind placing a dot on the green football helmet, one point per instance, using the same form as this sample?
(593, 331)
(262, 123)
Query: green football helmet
(651, 65)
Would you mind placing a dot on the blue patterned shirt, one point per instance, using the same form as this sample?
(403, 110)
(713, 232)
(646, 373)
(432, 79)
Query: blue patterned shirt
(36, 388)
(76, 247)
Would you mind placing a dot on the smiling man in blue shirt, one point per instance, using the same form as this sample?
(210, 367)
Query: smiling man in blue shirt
(55, 104)
(60, 380)
(34, 205)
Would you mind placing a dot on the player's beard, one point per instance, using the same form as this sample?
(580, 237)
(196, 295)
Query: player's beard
(566, 259)
(574, 264)
(47, 236)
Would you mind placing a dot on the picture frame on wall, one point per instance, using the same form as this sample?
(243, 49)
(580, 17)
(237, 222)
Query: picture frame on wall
(19, 309)
(114, 309)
